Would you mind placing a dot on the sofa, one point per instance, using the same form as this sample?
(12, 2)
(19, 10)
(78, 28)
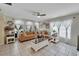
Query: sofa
(45, 34)
(25, 36)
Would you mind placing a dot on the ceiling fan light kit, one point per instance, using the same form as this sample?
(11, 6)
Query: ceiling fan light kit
(38, 16)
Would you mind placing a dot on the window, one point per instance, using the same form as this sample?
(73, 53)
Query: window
(62, 32)
(69, 32)
(55, 29)
(63, 28)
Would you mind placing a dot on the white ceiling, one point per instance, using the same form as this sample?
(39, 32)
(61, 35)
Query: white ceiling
(52, 10)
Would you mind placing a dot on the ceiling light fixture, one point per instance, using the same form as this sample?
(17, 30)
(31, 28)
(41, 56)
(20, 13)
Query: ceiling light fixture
(38, 16)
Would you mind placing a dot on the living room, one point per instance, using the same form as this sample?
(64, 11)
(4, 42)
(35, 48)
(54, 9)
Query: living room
(39, 28)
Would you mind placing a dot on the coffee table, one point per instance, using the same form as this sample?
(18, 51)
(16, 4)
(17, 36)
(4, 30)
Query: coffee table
(39, 45)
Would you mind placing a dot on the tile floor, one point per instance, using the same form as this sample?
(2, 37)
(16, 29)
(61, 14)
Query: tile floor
(24, 49)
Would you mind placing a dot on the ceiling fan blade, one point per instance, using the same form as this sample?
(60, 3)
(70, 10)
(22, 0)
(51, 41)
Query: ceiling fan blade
(38, 14)
(8, 4)
(43, 15)
(31, 11)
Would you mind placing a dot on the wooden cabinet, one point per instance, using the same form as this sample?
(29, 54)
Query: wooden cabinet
(10, 39)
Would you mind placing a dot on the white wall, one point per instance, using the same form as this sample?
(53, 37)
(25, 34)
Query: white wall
(75, 31)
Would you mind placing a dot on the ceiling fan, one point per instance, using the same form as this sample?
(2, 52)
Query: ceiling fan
(38, 14)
